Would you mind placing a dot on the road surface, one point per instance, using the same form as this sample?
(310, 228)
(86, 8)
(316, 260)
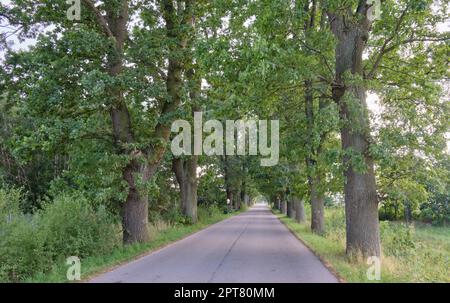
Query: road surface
(251, 247)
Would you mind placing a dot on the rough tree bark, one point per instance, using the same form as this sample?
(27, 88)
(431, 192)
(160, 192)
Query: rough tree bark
(290, 208)
(186, 174)
(276, 203)
(283, 206)
(247, 200)
(300, 215)
(316, 196)
(237, 199)
(317, 208)
(361, 204)
(243, 195)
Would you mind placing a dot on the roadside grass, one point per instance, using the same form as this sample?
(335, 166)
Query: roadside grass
(417, 253)
(161, 233)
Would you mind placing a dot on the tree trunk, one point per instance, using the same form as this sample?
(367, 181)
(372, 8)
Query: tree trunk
(408, 212)
(317, 208)
(289, 208)
(299, 205)
(135, 208)
(283, 206)
(230, 198)
(237, 199)
(226, 173)
(361, 204)
(190, 206)
(317, 220)
(186, 174)
(243, 200)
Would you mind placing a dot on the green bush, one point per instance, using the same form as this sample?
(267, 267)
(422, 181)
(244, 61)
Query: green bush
(9, 201)
(22, 252)
(205, 212)
(436, 211)
(73, 228)
(21, 243)
(173, 216)
(32, 244)
(397, 239)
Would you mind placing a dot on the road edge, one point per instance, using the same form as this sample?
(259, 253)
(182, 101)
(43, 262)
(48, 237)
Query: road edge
(324, 261)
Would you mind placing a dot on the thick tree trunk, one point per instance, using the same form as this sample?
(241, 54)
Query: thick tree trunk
(289, 208)
(186, 174)
(361, 204)
(317, 208)
(243, 200)
(190, 205)
(299, 205)
(237, 199)
(135, 208)
(283, 206)
(230, 198)
(317, 201)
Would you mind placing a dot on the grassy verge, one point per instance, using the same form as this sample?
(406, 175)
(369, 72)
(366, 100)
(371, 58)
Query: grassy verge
(416, 253)
(161, 236)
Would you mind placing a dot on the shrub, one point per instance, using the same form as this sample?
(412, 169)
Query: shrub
(21, 242)
(22, 252)
(397, 239)
(9, 201)
(206, 212)
(173, 216)
(436, 211)
(73, 228)
(31, 244)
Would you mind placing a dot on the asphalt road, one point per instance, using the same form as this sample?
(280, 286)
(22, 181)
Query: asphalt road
(251, 247)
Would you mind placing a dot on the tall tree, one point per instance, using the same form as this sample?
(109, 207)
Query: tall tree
(139, 133)
(351, 24)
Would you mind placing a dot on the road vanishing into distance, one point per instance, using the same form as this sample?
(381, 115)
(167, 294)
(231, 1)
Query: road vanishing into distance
(251, 247)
